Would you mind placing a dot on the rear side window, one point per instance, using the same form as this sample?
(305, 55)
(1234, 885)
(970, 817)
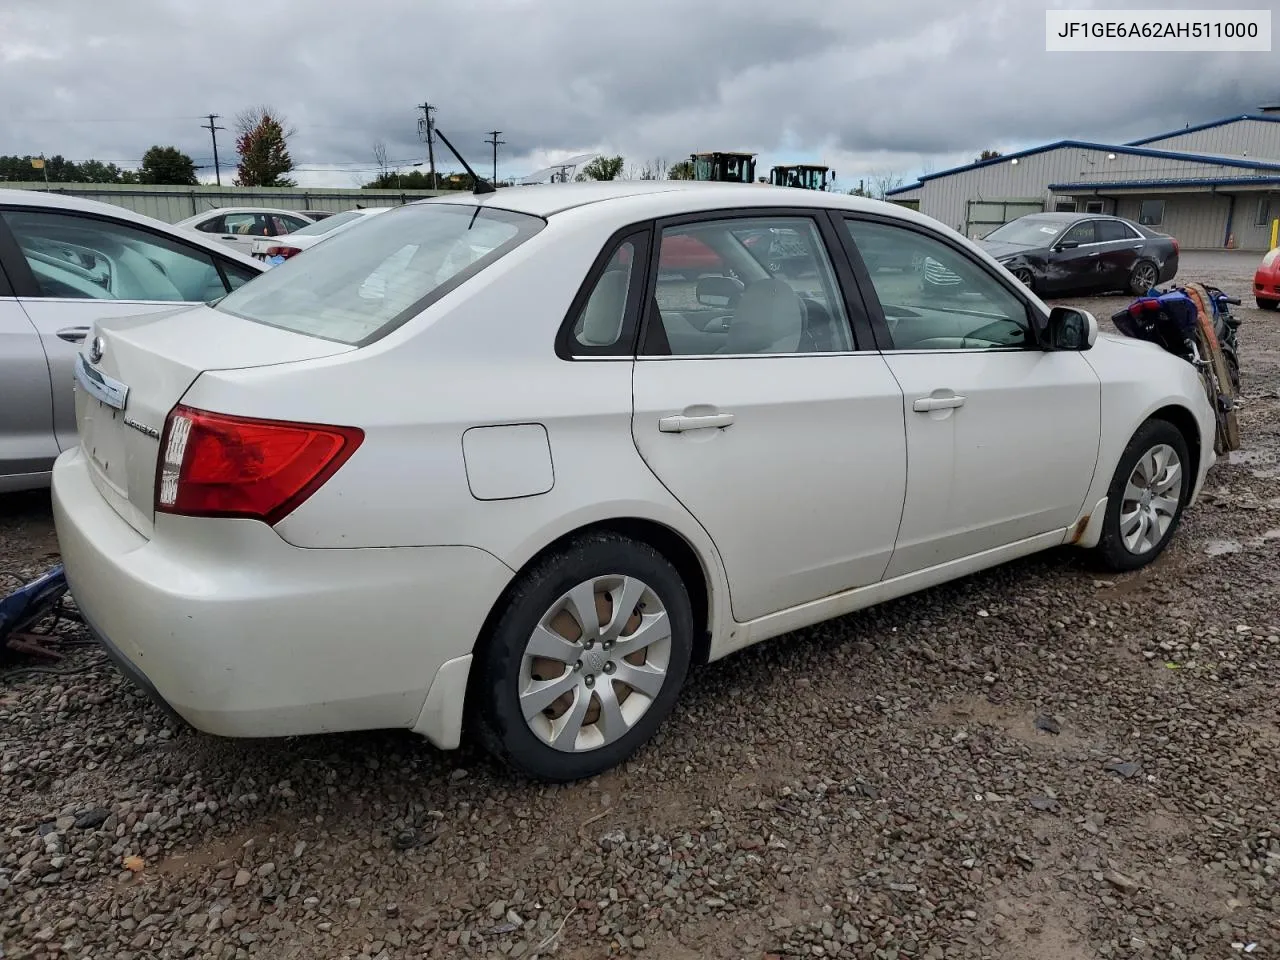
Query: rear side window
(361, 284)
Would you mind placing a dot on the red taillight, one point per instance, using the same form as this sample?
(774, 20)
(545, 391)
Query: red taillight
(215, 465)
(285, 252)
(1138, 306)
(1176, 248)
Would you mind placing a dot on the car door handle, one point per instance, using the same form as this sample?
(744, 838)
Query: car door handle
(925, 404)
(1096, 253)
(679, 424)
(73, 334)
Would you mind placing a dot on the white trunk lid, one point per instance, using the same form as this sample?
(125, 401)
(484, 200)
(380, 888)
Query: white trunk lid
(145, 366)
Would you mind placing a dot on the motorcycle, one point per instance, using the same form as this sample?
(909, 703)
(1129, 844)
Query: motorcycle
(1195, 323)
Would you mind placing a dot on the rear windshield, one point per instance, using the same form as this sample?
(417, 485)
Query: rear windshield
(361, 284)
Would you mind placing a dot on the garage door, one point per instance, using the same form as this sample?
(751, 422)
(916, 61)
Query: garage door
(985, 215)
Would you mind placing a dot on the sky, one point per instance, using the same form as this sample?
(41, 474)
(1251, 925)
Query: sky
(876, 90)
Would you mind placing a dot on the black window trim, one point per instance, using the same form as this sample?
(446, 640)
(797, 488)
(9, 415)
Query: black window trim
(567, 346)
(856, 314)
(25, 284)
(1037, 319)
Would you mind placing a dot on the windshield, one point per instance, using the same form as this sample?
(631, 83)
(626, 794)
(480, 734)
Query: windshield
(1027, 232)
(361, 284)
(327, 224)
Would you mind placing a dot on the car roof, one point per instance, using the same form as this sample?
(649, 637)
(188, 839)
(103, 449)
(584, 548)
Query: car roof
(60, 201)
(659, 198)
(205, 213)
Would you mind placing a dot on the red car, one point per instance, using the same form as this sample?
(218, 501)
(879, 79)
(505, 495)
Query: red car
(1266, 282)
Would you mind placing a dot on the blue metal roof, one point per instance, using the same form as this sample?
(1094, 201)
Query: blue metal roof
(1243, 163)
(1167, 182)
(1265, 118)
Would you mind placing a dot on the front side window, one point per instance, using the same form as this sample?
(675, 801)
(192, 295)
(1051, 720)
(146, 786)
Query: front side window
(75, 256)
(950, 303)
(1081, 233)
(766, 286)
(360, 284)
(1152, 213)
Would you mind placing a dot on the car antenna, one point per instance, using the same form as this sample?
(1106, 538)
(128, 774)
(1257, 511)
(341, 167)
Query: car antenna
(481, 186)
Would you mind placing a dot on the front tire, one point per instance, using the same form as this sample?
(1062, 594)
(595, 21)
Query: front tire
(1146, 497)
(1025, 277)
(1267, 304)
(586, 661)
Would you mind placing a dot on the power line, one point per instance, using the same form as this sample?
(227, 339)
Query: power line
(494, 141)
(213, 132)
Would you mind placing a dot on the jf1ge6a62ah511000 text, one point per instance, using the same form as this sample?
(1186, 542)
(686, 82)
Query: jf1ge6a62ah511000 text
(564, 477)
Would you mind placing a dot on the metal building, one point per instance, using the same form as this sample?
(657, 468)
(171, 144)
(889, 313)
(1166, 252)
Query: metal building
(1213, 186)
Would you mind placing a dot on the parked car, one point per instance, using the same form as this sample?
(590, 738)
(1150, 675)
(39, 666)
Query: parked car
(1266, 282)
(1072, 253)
(237, 227)
(276, 250)
(559, 485)
(64, 263)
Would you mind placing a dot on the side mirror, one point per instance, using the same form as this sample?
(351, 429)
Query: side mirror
(718, 291)
(1070, 329)
(1067, 245)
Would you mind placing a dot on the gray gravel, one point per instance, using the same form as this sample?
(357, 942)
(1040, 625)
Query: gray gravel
(1038, 761)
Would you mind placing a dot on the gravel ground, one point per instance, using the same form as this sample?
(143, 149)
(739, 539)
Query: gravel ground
(1037, 761)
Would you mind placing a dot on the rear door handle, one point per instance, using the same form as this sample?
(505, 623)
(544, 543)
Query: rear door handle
(73, 334)
(679, 424)
(1096, 253)
(925, 404)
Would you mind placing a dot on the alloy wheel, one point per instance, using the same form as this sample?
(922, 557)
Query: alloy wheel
(1144, 275)
(1150, 500)
(595, 663)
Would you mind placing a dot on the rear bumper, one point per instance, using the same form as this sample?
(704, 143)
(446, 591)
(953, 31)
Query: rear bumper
(244, 635)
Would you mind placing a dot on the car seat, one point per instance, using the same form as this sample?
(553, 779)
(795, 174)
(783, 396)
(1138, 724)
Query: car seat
(769, 319)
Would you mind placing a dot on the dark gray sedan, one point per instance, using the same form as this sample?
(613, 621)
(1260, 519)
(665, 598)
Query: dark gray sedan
(1072, 253)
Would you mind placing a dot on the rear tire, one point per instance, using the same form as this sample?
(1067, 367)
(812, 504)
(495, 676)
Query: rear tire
(1146, 497)
(540, 649)
(1267, 304)
(1144, 275)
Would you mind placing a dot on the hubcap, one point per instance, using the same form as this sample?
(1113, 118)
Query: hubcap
(1024, 277)
(1150, 499)
(1147, 276)
(595, 663)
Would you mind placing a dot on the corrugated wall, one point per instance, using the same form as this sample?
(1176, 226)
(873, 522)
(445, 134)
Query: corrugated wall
(172, 204)
(1199, 221)
(947, 197)
(1242, 138)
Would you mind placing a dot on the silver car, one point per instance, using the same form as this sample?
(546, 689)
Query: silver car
(64, 263)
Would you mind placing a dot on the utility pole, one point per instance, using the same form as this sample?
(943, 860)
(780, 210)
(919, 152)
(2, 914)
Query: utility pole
(213, 132)
(426, 130)
(495, 142)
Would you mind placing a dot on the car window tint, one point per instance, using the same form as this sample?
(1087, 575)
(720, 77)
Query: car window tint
(212, 225)
(935, 297)
(1082, 233)
(88, 258)
(294, 223)
(763, 286)
(1111, 230)
(600, 322)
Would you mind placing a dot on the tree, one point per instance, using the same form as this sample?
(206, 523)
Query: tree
(263, 148)
(987, 155)
(655, 169)
(882, 183)
(168, 165)
(380, 157)
(602, 168)
(680, 170)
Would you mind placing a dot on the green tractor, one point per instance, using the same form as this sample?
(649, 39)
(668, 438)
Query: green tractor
(806, 176)
(724, 167)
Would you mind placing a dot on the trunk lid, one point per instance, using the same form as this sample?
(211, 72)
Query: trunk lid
(133, 370)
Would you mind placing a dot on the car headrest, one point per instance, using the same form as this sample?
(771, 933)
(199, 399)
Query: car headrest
(769, 319)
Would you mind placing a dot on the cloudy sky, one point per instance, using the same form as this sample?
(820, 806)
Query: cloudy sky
(891, 87)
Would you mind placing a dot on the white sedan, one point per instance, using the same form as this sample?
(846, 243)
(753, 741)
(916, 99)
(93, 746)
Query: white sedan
(474, 466)
(276, 250)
